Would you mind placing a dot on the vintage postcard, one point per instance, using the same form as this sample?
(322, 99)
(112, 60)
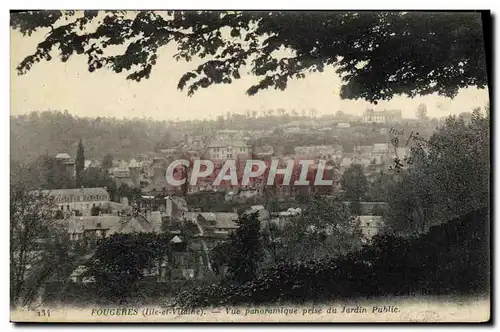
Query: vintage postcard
(249, 166)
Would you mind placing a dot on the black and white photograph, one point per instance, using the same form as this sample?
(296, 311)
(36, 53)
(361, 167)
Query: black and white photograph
(250, 166)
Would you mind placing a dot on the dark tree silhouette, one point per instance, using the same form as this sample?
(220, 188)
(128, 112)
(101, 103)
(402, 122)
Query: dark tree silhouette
(447, 176)
(245, 251)
(38, 247)
(354, 183)
(377, 54)
(107, 161)
(79, 163)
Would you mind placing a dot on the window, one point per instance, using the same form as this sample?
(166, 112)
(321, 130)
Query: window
(67, 207)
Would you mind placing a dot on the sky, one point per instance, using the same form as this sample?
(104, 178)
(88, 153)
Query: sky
(70, 86)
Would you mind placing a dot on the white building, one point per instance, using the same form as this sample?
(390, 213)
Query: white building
(371, 116)
(81, 200)
(223, 150)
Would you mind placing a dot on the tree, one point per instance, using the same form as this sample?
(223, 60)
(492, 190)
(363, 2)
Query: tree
(132, 193)
(46, 172)
(448, 52)
(164, 143)
(79, 163)
(324, 229)
(354, 183)
(120, 260)
(37, 246)
(96, 177)
(446, 176)
(219, 256)
(380, 186)
(245, 249)
(422, 112)
(107, 162)
(95, 210)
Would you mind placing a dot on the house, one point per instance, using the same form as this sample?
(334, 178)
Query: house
(90, 163)
(92, 228)
(64, 157)
(122, 170)
(371, 116)
(67, 163)
(380, 149)
(223, 150)
(218, 225)
(80, 200)
(134, 163)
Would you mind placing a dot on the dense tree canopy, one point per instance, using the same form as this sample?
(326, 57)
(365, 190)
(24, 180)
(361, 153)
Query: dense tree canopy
(377, 54)
(446, 176)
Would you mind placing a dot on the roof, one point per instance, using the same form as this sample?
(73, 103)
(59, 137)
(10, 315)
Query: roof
(79, 224)
(176, 239)
(75, 192)
(114, 224)
(135, 224)
(63, 156)
(222, 219)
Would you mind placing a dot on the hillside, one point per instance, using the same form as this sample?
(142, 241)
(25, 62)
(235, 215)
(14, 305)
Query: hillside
(55, 132)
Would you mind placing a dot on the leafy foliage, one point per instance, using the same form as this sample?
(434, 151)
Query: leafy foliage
(57, 132)
(354, 183)
(38, 246)
(79, 163)
(245, 249)
(45, 172)
(445, 177)
(107, 161)
(324, 229)
(451, 259)
(119, 262)
(370, 50)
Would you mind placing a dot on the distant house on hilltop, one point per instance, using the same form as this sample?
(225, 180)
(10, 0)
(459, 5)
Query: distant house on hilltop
(371, 116)
(223, 150)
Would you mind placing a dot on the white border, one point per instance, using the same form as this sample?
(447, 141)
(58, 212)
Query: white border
(188, 4)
